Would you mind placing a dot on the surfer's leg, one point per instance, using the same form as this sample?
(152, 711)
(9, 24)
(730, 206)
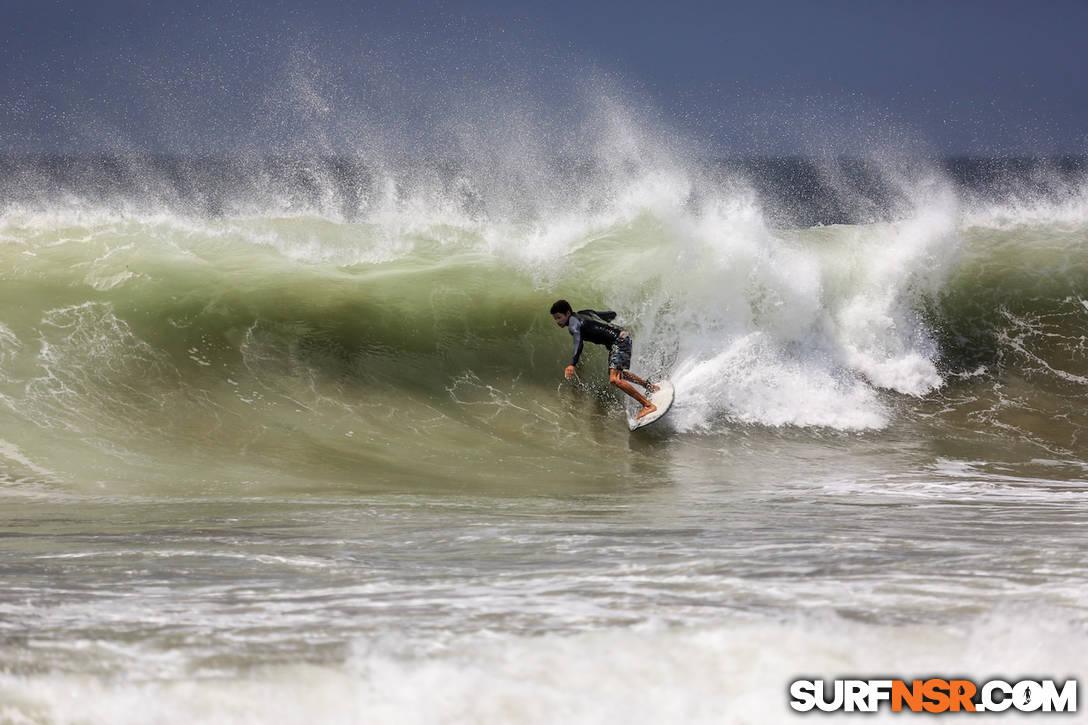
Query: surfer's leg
(616, 378)
(619, 360)
(650, 387)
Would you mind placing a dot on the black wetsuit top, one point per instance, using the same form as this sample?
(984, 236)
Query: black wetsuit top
(592, 326)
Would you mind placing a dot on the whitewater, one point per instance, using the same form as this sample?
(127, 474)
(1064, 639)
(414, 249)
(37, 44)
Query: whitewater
(286, 438)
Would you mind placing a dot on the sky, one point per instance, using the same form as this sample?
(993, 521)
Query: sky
(962, 77)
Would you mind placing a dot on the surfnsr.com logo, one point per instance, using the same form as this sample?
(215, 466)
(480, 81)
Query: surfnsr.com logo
(934, 695)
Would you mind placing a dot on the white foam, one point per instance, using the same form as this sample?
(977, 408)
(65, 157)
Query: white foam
(793, 328)
(1066, 209)
(751, 382)
(737, 671)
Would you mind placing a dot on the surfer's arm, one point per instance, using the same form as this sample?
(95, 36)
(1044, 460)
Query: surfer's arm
(577, 349)
(607, 315)
(575, 327)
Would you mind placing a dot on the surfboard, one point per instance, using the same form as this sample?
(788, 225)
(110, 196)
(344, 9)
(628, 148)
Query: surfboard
(662, 399)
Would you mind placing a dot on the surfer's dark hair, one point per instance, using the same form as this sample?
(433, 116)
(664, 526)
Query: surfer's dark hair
(561, 306)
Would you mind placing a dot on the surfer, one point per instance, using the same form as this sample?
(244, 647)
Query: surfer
(593, 326)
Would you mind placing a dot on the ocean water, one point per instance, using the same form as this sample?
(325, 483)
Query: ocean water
(285, 440)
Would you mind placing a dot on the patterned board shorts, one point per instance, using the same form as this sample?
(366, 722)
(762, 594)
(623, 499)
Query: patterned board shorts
(619, 357)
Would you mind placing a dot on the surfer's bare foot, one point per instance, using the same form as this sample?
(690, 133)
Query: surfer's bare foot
(646, 411)
(651, 388)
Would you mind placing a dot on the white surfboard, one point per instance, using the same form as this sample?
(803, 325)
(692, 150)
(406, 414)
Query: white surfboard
(662, 399)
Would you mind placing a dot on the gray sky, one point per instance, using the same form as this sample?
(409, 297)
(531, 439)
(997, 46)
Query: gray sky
(966, 77)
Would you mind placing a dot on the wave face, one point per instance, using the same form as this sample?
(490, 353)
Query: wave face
(291, 436)
(322, 317)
